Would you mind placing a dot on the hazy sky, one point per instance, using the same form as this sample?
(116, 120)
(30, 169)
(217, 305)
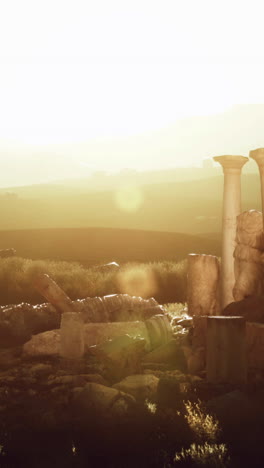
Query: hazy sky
(78, 70)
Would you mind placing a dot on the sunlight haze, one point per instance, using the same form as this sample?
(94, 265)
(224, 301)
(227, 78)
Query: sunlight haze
(93, 85)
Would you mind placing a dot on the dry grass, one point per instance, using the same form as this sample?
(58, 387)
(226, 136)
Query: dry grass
(204, 426)
(166, 281)
(203, 455)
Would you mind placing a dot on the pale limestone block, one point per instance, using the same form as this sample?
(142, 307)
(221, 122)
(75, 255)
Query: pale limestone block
(203, 278)
(72, 336)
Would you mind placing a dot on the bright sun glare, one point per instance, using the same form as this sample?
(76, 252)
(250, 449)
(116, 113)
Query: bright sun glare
(75, 71)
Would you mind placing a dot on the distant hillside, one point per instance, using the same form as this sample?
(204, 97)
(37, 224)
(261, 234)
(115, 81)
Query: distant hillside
(236, 131)
(191, 207)
(93, 246)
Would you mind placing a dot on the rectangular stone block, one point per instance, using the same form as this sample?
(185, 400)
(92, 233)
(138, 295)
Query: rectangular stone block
(255, 345)
(226, 350)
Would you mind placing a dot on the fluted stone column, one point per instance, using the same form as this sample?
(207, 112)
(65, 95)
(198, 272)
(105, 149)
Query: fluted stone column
(232, 166)
(258, 156)
(226, 350)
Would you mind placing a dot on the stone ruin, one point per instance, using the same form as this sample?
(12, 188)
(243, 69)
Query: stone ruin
(133, 342)
(227, 301)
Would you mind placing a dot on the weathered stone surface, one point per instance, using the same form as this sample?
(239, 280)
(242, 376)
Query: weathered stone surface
(159, 329)
(255, 345)
(117, 308)
(249, 267)
(53, 293)
(170, 353)
(141, 387)
(97, 333)
(75, 380)
(120, 356)
(72, 336)
(226, 350)
(250, 229)
(41, 370)
(48, 343)
(43, 344)
(251, 308)
(100, 398)
(203, 285)
(10, 357)
(19, 322)
(196, 361)
(185, 322)
(196, 351)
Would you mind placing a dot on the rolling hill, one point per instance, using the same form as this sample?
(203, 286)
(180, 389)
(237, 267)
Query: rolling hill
(191, 206)
(91, 246)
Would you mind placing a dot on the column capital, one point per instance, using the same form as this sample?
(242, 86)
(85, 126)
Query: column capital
(230, 162)
(258, 156)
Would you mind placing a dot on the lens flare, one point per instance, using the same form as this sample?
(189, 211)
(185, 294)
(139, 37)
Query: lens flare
(136, 281)
(129, 199)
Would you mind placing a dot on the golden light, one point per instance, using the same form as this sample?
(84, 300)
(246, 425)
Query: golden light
(137, 281)
(129, 199)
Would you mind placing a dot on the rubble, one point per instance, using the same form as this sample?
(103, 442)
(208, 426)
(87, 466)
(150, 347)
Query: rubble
(48, 343)
(120, 356)
(19, 322)
(140, 386)
(98, 397)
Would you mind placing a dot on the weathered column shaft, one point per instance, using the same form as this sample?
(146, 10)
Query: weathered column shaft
(232, 166)
(72, 336)
(258, 156)
(203, 284)
(226, 350)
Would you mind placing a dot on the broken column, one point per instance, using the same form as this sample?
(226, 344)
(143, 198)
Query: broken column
(203, 284)
(258, 156)
(232, 166)
(72, 336)
(53, 293)
(248, 255)
(226, 350)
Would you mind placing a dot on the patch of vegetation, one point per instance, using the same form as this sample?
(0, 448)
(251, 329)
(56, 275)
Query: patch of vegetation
(203, 425)
(166, 281)
(205, 455)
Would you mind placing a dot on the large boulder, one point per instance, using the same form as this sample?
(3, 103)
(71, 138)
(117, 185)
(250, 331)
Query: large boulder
(96, 398)
(141, 387)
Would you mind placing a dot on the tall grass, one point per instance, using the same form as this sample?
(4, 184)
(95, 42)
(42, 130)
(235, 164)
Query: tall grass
(166, 281)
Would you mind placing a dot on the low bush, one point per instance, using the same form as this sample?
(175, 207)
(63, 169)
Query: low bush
(166, 281)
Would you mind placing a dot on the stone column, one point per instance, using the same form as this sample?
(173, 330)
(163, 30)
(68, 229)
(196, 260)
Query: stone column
(203, 277)
(72, 336)
(232, 166)
(226, 350)
(258, 156)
